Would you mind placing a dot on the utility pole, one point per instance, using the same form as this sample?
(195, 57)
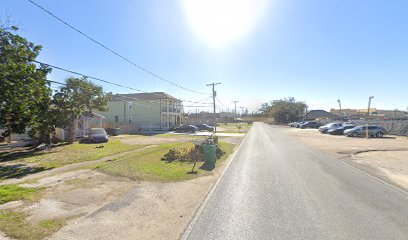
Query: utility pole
(368, 114)
(235, 102)
(214, 93)
(196, 116)
(341, 116)
(242, 110)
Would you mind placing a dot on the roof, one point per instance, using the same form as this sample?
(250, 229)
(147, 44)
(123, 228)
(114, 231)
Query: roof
(312, 114)
(144, 96)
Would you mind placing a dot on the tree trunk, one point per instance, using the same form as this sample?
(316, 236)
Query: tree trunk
(72, 130)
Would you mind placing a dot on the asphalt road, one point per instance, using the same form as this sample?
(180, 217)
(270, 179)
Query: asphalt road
(277, 188)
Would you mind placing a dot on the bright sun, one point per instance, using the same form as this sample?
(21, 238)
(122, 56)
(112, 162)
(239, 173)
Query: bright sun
(221, 21)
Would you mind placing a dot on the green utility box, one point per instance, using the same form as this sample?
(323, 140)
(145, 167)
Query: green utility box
(115, 131)
(210, 154)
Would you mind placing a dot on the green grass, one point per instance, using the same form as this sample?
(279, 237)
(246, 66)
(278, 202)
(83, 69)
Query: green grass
(74, 153)
(232, 128)
(15, 225)
(147, 165)
(10, 193)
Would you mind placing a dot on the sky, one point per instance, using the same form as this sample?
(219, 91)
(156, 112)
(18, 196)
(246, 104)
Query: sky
(317, 51)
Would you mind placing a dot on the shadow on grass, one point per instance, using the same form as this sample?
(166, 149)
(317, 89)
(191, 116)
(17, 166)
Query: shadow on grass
(207, 166)
(19, 171)
(20, 154)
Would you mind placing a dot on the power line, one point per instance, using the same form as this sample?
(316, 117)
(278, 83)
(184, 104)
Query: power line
(220, 102)
(100, 79)
(165, 36)
(111, 50)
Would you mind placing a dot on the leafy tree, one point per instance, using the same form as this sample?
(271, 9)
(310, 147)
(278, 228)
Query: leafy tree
(25, 91)
(77, 97)
(284, 110)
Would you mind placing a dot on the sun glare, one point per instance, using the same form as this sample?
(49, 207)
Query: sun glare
(221, 21)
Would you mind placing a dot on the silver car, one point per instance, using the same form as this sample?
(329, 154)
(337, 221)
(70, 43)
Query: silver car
(359, 131)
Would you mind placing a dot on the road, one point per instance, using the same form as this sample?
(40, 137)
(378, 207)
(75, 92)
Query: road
(277, 188)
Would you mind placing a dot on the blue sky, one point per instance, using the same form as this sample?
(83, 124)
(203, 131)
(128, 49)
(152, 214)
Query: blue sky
(316, 50)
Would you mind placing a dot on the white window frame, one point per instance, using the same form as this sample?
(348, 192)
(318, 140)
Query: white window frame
(130, 105)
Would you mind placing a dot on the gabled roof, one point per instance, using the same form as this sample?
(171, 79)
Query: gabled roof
(144, 96)
(312, 114)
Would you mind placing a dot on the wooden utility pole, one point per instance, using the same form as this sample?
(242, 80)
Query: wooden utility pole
(341, 116)
(214, 94)
(242, 110)
(368, 114)
(235, 102)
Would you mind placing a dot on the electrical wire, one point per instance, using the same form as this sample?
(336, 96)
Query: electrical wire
(111, 50)
(220, 102)
(102, 80)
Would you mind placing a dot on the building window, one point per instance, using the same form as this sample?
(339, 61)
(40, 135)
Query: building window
(116, 119)
(129, 119)
(130, 106)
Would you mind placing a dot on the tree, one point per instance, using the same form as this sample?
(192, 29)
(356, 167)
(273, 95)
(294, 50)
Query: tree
(78, 97)
(284, 110)
(25, 90)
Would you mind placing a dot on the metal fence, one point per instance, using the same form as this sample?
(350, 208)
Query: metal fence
(393, 127)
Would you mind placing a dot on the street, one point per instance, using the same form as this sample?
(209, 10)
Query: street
(277, 188)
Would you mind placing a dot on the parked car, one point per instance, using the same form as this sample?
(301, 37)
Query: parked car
(327, 127)
(310, 124)
(292, 124)
(297, 124)
(205, 127)
(340, 130)
(186, 129)
(373, 131)
(98, 135)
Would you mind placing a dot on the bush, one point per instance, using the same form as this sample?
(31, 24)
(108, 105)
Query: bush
(171, 156)
(195, 154)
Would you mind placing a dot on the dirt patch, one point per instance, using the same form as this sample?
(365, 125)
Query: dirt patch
(392, 164)
(148, 210)
(100, 206)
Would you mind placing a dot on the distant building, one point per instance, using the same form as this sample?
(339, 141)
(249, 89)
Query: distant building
(374, 113)
(201, 117)
(319, 114)
(143, 111)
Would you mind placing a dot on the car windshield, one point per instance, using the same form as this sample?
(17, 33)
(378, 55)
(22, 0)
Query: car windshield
(97, 131)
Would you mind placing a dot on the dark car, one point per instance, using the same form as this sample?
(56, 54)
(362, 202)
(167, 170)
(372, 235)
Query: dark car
(329, 126)
(339, 130)
(310, 124)
(98, 135)
(186, 129)
(360, 131)
(205, 127)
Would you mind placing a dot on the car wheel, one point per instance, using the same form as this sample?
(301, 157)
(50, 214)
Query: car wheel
(354, 134)
(379, 134)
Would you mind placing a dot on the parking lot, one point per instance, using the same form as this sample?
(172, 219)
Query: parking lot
(385, 158)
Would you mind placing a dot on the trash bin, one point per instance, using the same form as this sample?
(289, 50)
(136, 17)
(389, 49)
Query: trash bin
(115, 131)
(210, 153)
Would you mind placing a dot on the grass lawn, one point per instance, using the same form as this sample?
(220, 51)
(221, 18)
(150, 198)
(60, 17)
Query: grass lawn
(73, 153)
(15, 225)
(232, 128)
(10, 193)
(147, 165)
